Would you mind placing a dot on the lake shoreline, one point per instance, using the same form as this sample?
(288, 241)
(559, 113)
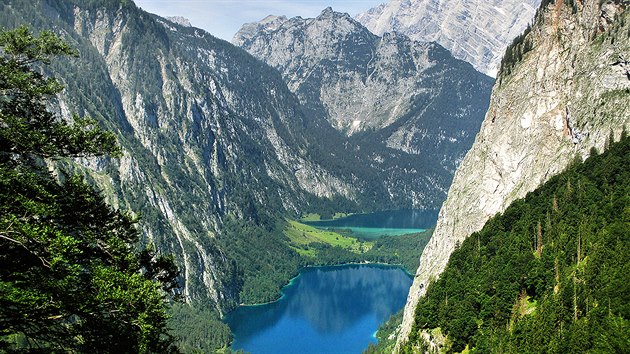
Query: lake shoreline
(324, 308)
(295, 277)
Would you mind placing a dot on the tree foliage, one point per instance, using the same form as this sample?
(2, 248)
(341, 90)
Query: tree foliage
(548, 275)
(70, 277)
(28, 128)
(198, 328)
(515, 51)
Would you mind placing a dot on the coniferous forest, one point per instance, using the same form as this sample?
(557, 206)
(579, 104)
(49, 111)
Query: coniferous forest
(549, 275)
(119, 269)
(71, 278)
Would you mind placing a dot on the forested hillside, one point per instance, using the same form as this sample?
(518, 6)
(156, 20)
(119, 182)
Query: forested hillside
(72, 278)
(563, 90)
(548, 275)
(216, 152)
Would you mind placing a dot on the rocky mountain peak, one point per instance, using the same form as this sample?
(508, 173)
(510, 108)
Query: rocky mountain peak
(333, 23)
(266, 25)
(398, 93)
(180, 20)
(360, 80)
(327, 12)
(272, 19)
(477, 31)
(328, 22)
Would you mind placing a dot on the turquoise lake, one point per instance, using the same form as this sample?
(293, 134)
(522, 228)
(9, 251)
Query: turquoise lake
(323, 310)
(386, 223)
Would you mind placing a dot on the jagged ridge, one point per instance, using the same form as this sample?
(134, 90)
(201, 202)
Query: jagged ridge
(388, 93)
(473, 30)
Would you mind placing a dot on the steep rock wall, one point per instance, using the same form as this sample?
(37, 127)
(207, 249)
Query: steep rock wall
(570, 93)
(476, 31)
(209, 133)
(410, 108)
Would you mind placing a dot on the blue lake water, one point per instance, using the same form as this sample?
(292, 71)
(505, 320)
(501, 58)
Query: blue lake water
(386, 223)
(323, 310)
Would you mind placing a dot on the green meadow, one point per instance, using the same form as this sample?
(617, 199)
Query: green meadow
(301, 236)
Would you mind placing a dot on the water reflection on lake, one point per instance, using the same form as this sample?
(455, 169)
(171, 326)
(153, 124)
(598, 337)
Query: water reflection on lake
(325, 309)
(390, 219)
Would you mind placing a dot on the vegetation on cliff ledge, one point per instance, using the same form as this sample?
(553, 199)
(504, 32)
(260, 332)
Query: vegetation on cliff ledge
(548, 275)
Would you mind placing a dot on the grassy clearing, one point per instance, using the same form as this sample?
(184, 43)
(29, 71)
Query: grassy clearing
(318, 217)
(311, 217)
(301, 236)
(326, 247)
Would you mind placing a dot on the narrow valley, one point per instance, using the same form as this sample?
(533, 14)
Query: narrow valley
(425, 176)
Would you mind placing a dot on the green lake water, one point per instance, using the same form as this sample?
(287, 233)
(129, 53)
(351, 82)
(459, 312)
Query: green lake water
(386, 223)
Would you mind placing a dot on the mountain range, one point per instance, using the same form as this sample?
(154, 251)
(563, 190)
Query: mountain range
(472, 30)
(216, 143)
(224, 141)
(392, 91)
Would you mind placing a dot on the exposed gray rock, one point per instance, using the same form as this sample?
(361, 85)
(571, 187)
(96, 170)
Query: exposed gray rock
(384, 92)
(180, 20)
(477, 31)
(209, 132)
(267, 25)
(362, 81)
(566, 96)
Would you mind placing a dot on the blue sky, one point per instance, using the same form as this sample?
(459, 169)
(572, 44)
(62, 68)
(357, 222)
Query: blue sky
(223, 18)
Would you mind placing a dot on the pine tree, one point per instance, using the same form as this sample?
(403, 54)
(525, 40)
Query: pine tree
(70, 279)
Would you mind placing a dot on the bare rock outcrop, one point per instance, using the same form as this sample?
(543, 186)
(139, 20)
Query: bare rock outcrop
(551, 104)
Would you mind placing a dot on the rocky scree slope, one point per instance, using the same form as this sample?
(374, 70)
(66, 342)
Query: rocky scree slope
(209, 132)
(389, 94)
(476, 31)
(567, 94)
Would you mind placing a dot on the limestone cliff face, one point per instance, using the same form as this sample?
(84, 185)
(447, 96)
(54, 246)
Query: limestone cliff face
(565, 96)
(410, 102)
(473, 30)
(208, 132)
(362, 81)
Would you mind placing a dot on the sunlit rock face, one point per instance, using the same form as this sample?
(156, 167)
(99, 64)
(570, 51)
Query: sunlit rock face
(566, 95)
(208, 131)
(477, 31)
(411, 103)
(359, 80)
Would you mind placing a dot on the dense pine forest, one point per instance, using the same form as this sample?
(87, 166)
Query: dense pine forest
(549, 275)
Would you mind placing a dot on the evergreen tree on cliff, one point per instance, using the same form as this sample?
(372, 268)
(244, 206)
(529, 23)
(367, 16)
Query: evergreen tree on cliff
(70, 278)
